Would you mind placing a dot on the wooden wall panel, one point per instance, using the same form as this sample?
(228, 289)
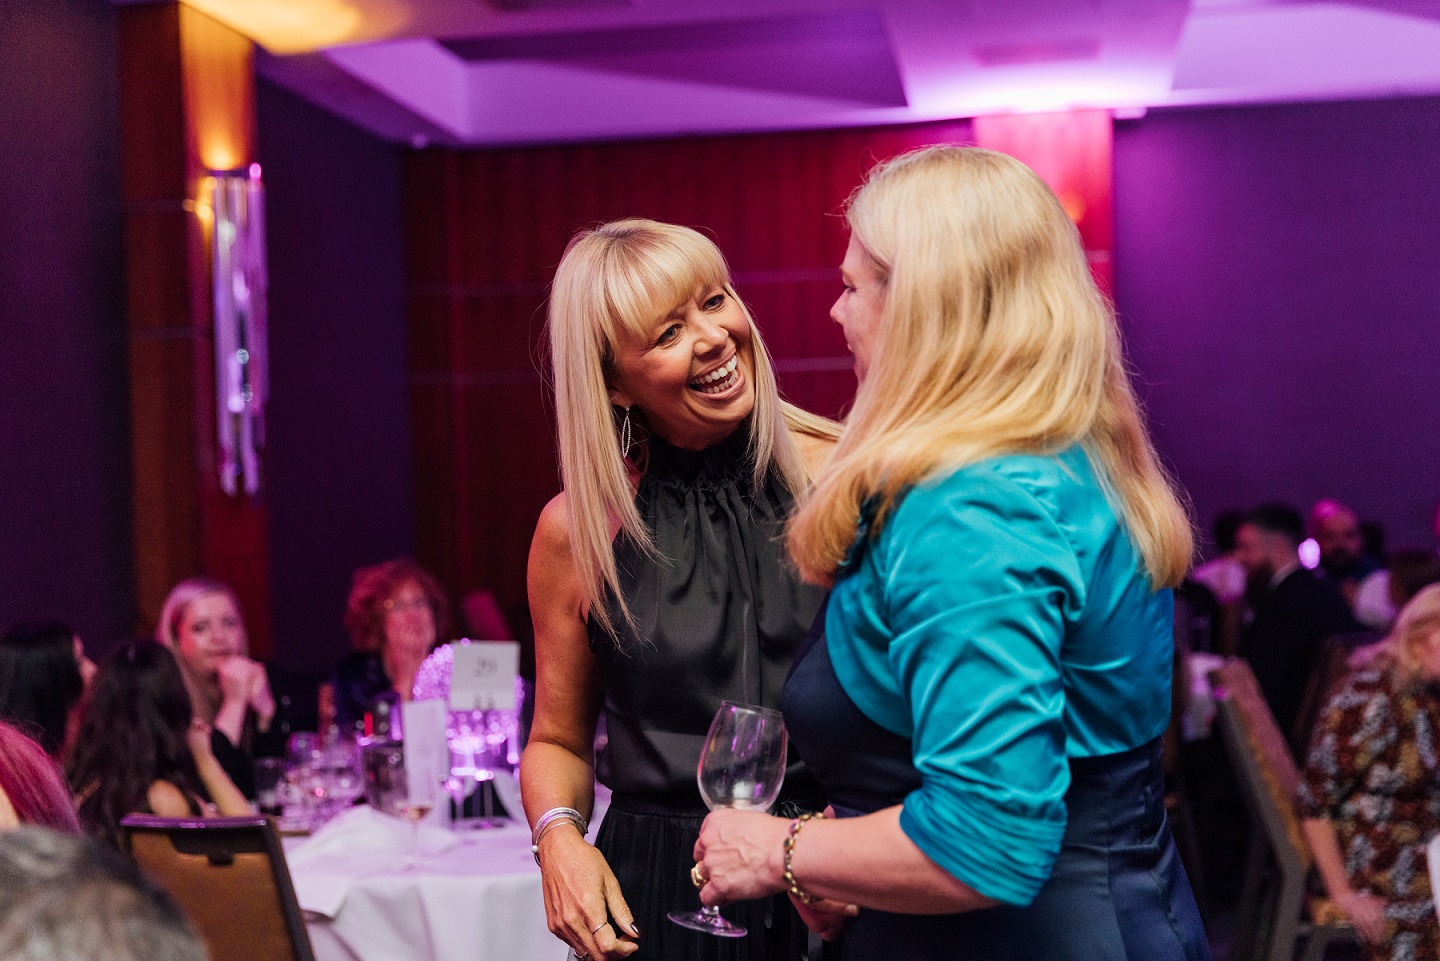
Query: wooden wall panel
(187, 105)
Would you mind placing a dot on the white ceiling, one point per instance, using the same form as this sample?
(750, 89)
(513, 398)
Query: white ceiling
(490, 72)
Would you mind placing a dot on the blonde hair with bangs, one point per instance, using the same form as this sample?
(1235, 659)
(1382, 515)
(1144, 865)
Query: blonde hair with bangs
(614, 280)
(993, 340)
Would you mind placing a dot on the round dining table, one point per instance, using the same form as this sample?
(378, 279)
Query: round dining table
(371, 890)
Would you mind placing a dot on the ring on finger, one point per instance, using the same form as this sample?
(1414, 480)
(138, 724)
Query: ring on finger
(598, 926)
(697, 877)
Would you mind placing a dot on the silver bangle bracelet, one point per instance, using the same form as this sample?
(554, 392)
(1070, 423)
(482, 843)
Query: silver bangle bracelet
(544, 821)
(551, 819)
(535, 847)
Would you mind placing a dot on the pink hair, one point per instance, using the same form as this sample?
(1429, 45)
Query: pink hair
(32, 781)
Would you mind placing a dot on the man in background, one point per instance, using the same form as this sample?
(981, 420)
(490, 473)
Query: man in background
(1343, 560)
(1294, 610)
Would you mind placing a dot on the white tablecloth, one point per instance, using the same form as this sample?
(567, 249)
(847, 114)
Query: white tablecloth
(473, 896)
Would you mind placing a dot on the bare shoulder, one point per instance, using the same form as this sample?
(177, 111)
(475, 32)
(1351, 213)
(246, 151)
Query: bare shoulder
(167, 800)
(552, 581)
(552, 530)
(815, 449)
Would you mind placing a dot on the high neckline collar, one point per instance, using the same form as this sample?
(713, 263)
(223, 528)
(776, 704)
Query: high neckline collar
(729, 458)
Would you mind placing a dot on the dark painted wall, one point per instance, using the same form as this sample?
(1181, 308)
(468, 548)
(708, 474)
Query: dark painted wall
(64, 439)
(1278, 273)
(338, 456)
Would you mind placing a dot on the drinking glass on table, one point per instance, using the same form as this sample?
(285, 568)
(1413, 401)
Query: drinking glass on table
(418, 801)
(344, 779)
(458, 778)
(304, 784)
(269, 785)
(741, 766)
(384, 765)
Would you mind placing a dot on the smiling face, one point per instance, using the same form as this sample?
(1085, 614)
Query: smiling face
(860, 305)
(210, 632)
(690, 372)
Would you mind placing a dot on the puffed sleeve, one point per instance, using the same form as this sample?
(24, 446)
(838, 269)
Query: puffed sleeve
(979, 585)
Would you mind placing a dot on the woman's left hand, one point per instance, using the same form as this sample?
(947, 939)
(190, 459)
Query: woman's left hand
(741, 855)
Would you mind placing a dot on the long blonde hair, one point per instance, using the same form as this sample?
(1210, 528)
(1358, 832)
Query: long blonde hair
(993, 340)
(619, 278)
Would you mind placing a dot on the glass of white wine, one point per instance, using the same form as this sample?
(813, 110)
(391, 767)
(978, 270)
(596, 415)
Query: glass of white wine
(741, 766)
(419, 801)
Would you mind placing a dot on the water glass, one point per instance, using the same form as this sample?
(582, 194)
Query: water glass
(384, 765)
(269, 779)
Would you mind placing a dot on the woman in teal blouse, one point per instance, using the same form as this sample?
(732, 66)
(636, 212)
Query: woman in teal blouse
(984, 694)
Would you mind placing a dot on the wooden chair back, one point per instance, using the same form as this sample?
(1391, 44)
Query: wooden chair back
(1275, 916)
(229, 876)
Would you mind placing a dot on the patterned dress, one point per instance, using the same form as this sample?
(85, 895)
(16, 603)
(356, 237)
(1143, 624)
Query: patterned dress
(1374, 772)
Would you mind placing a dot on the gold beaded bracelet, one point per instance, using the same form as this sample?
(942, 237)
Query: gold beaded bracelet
(791, 883)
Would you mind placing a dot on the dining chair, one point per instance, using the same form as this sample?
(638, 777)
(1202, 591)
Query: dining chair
(1275, 912)
(229, 876)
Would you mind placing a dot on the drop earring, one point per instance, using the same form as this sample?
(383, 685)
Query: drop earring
(626, 440)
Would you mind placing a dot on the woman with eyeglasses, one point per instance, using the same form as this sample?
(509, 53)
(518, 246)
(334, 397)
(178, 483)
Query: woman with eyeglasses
(396, 615)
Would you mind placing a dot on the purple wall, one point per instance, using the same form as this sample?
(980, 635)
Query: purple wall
(339, 435)
(64, 433)
(1278, 274)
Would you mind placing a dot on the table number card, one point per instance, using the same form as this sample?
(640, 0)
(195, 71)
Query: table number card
(483, 677)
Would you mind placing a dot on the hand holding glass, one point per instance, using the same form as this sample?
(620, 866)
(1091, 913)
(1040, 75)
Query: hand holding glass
(741, 766)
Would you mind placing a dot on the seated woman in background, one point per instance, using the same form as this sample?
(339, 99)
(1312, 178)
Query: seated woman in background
(396, 614)
(1368, 792)
(141, 748)
(32, 789)
(43, 674)
(229, 691)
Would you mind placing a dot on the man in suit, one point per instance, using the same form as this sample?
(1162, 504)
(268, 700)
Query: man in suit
(1294, 610)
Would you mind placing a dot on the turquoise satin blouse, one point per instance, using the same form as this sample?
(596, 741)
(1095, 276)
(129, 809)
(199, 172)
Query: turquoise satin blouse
(1002, 621)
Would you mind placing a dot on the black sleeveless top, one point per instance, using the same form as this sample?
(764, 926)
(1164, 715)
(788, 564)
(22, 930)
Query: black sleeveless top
(718, 616)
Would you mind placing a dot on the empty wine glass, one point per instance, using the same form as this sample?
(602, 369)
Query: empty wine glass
(741, 766)
(344, 779)
(457, 778)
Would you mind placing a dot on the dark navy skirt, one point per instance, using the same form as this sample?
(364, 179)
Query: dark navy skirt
(1117, 893)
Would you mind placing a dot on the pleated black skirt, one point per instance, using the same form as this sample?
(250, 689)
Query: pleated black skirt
(651, 854)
